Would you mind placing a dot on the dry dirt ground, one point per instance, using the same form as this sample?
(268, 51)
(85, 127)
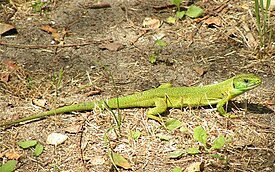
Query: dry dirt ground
(195, 54)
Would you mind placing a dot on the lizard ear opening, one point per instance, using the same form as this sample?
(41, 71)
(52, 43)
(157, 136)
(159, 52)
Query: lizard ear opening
(234, 85)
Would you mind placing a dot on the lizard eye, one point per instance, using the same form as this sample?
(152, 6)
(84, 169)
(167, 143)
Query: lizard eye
(245, 80)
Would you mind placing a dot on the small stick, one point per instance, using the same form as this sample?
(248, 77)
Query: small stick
(96, 5)
(40, 46)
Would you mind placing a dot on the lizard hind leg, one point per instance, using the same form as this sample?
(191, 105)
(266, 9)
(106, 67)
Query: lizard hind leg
(160, 107)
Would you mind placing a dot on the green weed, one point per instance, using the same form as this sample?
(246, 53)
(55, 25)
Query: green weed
(265, 30)
(200, 136)
(193, 12)
(40, 5)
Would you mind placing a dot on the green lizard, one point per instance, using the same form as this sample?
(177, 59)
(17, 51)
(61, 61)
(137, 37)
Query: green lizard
(165, 97)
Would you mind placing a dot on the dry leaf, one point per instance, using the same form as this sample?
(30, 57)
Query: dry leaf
(10, 64)
(99, 160)
(12, 155)
(151, 23)
(4, 28)
(48, 28)
(195, 167)
(230, 33)
(245, 6)
(39, 102)
(251, 41)
(56, 37)
(112, 46)
(213, 21)
(56, 139)
(120, 161)
(270, 102)
(5, 77)
(199, 70)
(92, 90)
(73, 129)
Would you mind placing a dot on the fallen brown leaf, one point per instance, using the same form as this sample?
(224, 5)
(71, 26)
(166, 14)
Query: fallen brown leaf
(195, 167)
(98, 160)
(39, 102)
(151, 23)
(48, 28)
(56, 37)
(4, 76)
(73, 129)
(199, 70)
(10, 64)
(120, 161)
(92, 90)
(12, 155)
(270, 102)
(4, 28)
(213, 21)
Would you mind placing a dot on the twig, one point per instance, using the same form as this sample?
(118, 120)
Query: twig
(164, 6)
(41, 46)
(96, 5)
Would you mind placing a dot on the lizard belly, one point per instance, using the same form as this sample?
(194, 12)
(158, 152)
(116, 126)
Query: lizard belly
(193, 102)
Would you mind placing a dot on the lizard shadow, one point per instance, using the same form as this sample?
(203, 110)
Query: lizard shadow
(251, 107)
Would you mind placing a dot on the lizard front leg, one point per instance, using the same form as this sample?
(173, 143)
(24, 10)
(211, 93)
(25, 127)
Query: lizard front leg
(161, 106)
(221, 110)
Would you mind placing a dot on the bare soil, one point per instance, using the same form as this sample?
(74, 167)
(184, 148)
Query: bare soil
(196, 54)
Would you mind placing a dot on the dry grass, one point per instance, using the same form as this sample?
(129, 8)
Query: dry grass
(220, 51)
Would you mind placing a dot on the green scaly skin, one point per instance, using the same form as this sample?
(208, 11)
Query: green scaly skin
(165, 97)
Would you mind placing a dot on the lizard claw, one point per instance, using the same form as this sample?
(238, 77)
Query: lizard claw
(228, 115)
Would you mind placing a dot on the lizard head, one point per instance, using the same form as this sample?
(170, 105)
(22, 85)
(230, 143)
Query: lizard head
(245, 82)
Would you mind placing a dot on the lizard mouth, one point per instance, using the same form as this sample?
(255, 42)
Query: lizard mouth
(255, 84)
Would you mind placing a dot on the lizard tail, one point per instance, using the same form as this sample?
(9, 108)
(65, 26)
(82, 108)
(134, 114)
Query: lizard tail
(66, 109)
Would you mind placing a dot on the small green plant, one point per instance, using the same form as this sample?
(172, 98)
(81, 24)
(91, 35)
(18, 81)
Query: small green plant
(193, 11)
(153, 57)
(177, 169)
(30, 82)
(265, 30)
(116, 159)
(8, 166)
(116, 116)
(163, 137)
(57, 80)
(38, 148)
(172, 124)
(135, 134)
(39, 5)
(177, 3)
(200, 136)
